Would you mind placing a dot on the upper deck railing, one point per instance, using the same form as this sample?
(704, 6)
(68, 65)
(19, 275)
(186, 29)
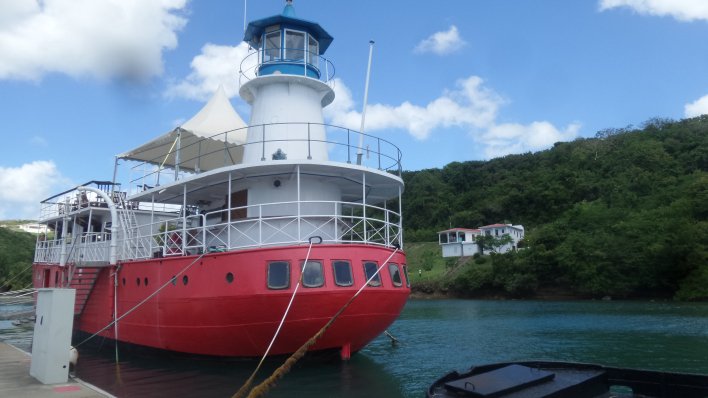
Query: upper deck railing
(342, 145)
(297, 62)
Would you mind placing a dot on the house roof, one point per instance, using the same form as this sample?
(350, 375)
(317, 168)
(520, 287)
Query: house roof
(519, 227)
(459, 230)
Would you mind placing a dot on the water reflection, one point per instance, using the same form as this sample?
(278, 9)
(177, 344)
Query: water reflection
(435, 336)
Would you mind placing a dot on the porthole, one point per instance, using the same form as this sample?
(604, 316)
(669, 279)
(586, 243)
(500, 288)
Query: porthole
(229, 277)
(342, 273)
(185, 280)
(123, 281)
(405, 274)
(145, 281)
(313, 275)
(137, 280)
(278, 275)
(395, 275)
(370, 268)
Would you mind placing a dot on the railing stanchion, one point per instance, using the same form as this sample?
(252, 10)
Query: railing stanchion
(378, 141)
(349, 149)
(309, 143)
(263, 143)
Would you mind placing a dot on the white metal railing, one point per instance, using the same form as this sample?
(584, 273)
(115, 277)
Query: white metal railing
(333, 221)
(342, 146)
(303, 63)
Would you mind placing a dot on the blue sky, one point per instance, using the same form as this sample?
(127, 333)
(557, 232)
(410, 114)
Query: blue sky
(84, 80)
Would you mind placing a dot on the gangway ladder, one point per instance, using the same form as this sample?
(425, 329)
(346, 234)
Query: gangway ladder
(133, 244)
(83, 280)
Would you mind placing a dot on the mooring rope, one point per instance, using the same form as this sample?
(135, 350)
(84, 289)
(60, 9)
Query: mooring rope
(267, 384)
(144, 300)
(249, 381)
(7, 283)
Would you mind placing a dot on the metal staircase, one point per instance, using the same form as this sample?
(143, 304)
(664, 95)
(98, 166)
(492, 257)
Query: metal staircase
(133, 245)
(83, 280)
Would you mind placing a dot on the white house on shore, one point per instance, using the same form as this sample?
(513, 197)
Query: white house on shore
(457, 242)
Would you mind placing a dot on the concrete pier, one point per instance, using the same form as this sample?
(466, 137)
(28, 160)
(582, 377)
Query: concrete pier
(15, 380)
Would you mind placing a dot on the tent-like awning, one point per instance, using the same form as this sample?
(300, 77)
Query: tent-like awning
(211, 139)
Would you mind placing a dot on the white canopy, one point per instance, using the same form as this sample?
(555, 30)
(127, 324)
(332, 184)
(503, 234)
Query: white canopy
(211, 139)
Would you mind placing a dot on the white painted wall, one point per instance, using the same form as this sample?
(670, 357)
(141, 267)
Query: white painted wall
(285, 99)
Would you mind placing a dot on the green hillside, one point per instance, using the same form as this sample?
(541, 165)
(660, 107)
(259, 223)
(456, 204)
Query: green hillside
(16, 254)
(624, 214)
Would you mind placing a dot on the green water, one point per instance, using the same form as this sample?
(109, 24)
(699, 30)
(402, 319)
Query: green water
(437, 336)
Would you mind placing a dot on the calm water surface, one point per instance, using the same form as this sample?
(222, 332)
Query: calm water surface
(436, 336)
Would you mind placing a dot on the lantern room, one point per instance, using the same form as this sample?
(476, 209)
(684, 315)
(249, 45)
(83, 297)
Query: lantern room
(288, 45)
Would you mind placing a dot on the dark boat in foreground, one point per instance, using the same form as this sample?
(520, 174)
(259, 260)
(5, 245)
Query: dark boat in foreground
(540, 379)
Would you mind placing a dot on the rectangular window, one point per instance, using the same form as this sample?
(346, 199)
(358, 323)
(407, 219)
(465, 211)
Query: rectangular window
(294, 45)
(278, 275)
(443, 238)
(342, 273)
(313, 48)
(272, 46)
(370, 268)
(312, 275)
(395, 274)
(405, 273)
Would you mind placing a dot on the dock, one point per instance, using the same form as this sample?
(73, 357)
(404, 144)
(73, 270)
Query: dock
(15, 380)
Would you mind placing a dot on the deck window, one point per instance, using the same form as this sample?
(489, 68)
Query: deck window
(313, 49)
(312, 275)
(294, 45)
(278, 275)
(370, 268)
(342, 273)
(405, 274)
(272, 46)
(395, 274)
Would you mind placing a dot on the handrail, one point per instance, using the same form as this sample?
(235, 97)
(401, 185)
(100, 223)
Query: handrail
(251, 65)
(341, 141)
(365, 224)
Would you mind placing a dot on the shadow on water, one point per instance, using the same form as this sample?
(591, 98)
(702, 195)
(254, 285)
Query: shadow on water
(151, 373)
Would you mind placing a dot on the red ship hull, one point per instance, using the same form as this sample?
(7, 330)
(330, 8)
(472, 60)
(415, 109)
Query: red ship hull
(221, 305)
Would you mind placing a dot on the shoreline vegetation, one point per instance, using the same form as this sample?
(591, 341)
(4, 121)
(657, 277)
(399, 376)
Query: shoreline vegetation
(623, 215)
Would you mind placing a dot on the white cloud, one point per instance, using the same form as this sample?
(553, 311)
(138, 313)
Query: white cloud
(22, 188)
(441, 43)
(683, 10)
(471, 106)
(697, 107)
(102, 39)
(503, 139)
(214, 66)
(39, 141)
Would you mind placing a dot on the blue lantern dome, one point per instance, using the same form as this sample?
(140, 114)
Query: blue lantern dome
(287, 44)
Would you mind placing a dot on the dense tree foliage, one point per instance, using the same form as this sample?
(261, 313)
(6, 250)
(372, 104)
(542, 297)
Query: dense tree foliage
(16, 254)
(622, 214)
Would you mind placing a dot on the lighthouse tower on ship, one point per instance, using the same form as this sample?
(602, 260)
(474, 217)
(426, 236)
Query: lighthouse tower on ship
(201, 249)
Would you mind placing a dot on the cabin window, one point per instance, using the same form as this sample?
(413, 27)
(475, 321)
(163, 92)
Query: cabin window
(313, 275)
(278, 275)
(443, 238)
(395, 274)
(272, 46)
(313, 48)
(405, 273)
(342, 273)
(294, 45)
(239, 201)
(370, 268)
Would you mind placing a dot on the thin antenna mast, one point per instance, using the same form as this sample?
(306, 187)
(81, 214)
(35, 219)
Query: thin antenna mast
(360, 152)
(245, 3)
